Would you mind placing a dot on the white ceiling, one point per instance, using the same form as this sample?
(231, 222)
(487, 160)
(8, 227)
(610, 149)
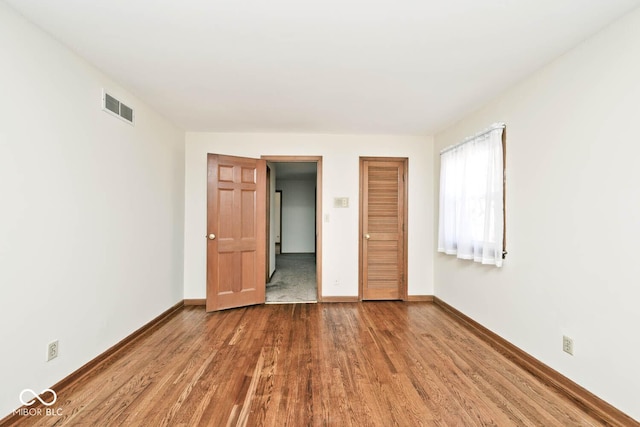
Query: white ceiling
(326, 66)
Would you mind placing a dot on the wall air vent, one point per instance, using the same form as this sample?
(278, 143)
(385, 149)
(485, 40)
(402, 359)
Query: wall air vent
(112, 106)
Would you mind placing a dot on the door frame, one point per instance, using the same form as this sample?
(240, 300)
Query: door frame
(267, 278)
(405, 265)
(279, 216)
(318, 161)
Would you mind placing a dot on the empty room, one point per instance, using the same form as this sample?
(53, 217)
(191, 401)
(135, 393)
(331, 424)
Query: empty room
(459, 178)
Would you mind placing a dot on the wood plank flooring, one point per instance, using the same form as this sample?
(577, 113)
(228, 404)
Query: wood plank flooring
(350, 364)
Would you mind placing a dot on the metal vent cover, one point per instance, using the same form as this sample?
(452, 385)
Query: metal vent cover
(113, 106)
(126, 113)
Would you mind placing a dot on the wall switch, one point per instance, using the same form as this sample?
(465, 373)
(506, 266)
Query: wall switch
(567, 345)
(340, 202)
(52, 350)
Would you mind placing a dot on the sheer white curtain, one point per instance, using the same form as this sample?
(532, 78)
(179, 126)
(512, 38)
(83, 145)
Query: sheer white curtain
(471, 222)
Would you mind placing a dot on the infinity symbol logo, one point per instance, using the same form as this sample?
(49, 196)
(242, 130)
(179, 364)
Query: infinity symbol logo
(36, 396)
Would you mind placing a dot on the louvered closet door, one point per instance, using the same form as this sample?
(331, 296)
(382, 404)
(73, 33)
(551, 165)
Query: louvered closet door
(383, 204)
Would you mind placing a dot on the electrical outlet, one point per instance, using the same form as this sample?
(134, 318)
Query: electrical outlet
(567, 345)
(52, 350)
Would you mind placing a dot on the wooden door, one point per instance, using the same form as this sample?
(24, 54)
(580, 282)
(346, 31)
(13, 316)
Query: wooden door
(236, 232)
(383, 228)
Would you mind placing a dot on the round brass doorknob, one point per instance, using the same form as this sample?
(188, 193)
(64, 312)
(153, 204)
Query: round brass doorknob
(212, 236)
(367, 236)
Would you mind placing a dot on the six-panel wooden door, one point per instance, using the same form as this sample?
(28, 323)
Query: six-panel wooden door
(236, 232)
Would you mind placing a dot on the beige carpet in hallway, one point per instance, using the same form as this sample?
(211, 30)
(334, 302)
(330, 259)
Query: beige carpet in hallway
(294, 279)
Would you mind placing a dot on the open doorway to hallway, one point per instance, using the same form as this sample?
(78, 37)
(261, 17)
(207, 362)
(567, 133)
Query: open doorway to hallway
(293, 228)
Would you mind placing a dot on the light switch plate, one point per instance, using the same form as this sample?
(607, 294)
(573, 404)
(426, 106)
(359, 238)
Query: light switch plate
(340, 202)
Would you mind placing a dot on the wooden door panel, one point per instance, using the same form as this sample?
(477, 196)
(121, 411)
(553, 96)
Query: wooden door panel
(236, 214)
(225, 213)
(248, 267)
(383, 229)
(225, 173)
(247, 221)
(227, 280)
(248, 175)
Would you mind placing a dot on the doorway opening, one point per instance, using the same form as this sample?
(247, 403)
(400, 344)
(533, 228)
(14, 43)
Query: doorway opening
(293, 230)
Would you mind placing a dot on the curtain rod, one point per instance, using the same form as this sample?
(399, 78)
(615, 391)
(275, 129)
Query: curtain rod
(469, 138)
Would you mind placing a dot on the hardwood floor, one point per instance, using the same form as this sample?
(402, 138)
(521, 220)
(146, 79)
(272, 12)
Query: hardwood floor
(350, 364)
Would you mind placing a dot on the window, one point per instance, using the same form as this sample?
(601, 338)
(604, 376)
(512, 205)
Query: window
(471, 222)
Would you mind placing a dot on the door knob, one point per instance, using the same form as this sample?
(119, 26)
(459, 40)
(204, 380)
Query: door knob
(212, 236)
(367, 236)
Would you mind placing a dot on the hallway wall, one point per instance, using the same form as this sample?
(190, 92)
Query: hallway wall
(298, 216)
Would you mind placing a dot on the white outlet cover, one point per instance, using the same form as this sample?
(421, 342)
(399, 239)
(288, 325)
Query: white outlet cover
(52, 350)
(567, 345)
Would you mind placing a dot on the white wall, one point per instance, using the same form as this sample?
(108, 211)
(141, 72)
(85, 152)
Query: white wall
(298, 216)
(573, 217)
(340, 169)
(91, 212)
